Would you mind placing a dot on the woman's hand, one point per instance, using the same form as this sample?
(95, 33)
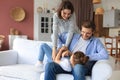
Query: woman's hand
(64, 48)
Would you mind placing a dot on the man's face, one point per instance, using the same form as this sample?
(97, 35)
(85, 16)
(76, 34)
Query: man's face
(86, 33)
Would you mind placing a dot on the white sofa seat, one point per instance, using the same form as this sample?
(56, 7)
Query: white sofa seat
(63, 77)
(101, 71)
(19, 63)
(20, 71)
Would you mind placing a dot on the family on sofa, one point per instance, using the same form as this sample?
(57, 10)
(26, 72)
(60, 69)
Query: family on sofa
(68, 40)
(62, 62)
(85, 42)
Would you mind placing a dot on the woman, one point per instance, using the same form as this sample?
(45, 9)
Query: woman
(63, 21)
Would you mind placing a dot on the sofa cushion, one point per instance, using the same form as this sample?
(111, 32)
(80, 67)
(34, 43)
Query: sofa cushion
(103, 68)
(28, 50)
(21, 71)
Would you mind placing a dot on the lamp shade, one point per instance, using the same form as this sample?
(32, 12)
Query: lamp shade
(96, 1)
(99, 11)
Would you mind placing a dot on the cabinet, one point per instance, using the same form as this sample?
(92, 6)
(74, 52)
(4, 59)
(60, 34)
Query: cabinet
(100, 30)
(111, 18)
(45, 21)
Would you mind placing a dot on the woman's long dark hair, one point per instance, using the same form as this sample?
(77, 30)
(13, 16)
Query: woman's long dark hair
(65, 5)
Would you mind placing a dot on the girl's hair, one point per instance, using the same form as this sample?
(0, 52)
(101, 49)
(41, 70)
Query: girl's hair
(88, 24)
(80, 58)
(65, 5)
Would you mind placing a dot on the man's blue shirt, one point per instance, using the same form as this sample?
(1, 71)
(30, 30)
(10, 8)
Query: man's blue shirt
(95, 49)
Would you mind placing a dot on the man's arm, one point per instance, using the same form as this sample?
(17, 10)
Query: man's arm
(97, 51)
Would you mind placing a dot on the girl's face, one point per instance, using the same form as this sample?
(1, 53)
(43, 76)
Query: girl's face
(65, 13)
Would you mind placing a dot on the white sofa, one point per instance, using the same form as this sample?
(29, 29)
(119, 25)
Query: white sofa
(19, 63)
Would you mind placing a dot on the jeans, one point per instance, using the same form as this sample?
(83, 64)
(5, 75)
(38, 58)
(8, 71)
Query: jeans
(51, 69)
(45, 49)
(78, 71)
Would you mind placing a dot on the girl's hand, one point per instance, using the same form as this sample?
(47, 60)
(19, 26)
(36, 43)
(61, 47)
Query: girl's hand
(54, 53)
(66, 53)
(72, 60)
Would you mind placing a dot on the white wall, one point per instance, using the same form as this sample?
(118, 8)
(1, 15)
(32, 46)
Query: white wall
(107, 5)
(49, 4)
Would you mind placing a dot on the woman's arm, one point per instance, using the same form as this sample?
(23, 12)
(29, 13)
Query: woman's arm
(55, 30)
(69, 38)
(72, 29)
(54, 36)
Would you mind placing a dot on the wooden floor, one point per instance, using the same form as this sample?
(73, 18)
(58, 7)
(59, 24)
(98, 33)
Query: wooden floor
(116, 69)
(115, 66)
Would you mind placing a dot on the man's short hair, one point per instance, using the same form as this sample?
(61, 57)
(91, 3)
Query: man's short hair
(88, 24)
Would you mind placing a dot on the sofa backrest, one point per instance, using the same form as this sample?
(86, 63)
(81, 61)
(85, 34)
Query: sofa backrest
(28, 50)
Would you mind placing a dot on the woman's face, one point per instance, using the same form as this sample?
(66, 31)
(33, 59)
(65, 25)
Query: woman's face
(86, 33)
(65, 13)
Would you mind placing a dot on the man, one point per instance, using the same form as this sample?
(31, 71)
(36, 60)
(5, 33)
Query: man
(85, 42)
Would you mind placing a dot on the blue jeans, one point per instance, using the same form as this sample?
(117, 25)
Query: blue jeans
(79, 71)
(45, 49)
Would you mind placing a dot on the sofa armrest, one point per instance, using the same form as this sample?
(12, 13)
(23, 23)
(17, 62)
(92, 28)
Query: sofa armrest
(8, 57)
(101, 70)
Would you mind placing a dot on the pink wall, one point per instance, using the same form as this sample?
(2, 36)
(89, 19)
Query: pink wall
(6, 22)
